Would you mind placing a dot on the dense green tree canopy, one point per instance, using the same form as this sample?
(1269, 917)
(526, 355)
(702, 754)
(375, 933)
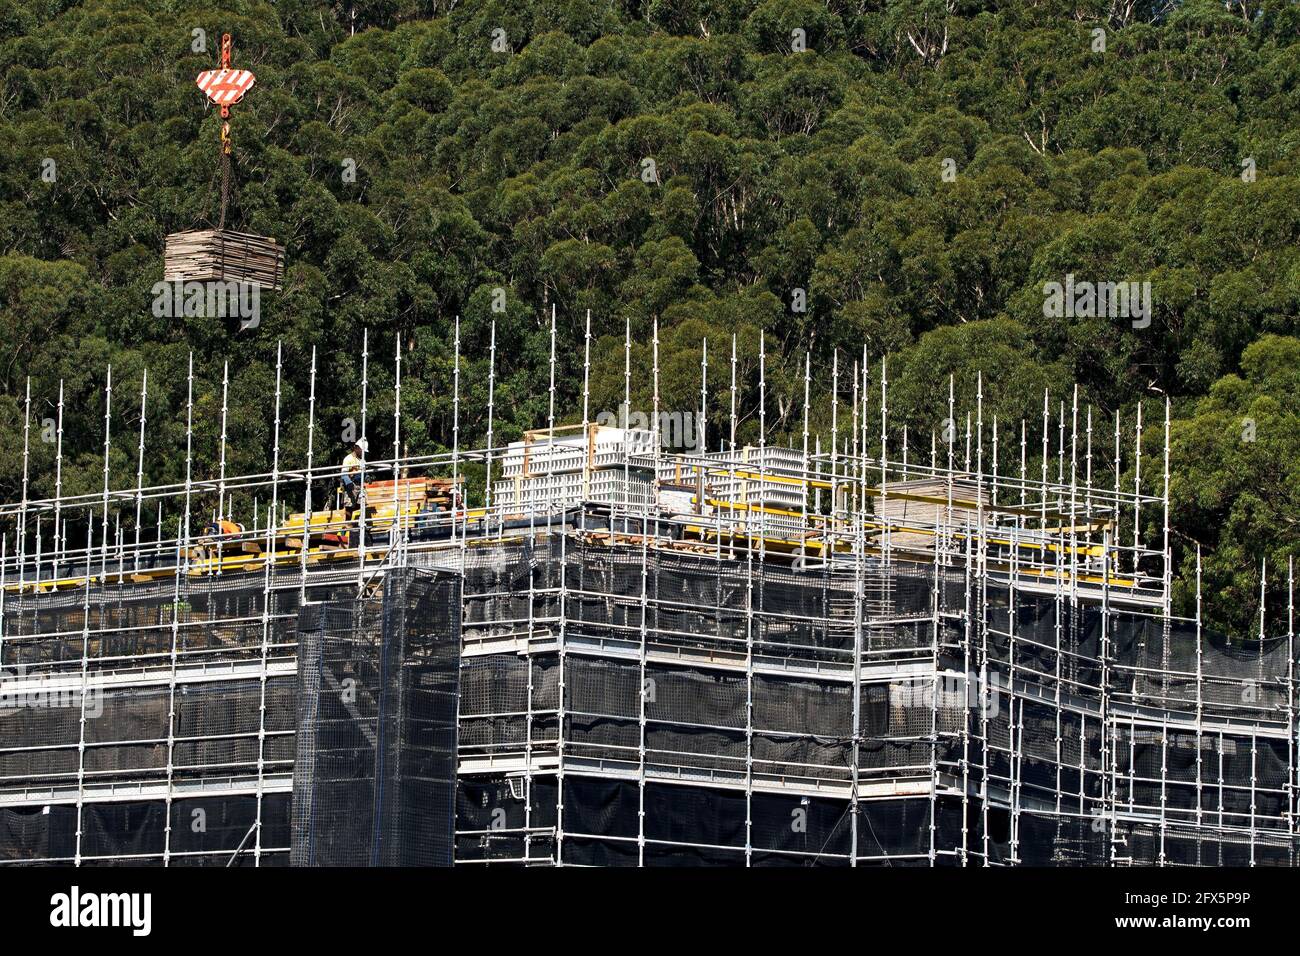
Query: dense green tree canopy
(899, 176)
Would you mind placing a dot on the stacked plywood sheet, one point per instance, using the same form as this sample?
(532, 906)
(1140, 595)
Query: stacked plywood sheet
(202, 255)
(915, 508)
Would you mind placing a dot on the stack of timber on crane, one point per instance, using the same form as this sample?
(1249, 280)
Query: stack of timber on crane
(201, 255)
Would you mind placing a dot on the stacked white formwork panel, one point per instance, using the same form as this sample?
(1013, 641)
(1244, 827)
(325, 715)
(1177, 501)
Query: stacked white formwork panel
(746, 479)
(601, 464)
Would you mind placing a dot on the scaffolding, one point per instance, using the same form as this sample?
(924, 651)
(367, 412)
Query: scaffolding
(836, 654)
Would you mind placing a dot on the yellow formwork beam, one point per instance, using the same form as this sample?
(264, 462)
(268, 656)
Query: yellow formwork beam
(850, 484)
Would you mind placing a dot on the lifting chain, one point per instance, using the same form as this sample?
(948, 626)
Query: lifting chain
(227, 45)
(225, 174)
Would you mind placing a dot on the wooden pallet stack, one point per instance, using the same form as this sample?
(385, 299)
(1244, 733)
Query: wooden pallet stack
(201, 255)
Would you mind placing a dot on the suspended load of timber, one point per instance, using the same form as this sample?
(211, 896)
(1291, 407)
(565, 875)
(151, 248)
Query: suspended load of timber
(221, 254)
(200, 255)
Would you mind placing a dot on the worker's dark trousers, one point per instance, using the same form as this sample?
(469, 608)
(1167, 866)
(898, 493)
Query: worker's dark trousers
(350, 489)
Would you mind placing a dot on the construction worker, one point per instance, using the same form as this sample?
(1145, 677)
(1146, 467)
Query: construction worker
(352, 465)
(214, 528)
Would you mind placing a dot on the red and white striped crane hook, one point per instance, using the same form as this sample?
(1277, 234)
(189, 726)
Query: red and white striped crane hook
(225, 87)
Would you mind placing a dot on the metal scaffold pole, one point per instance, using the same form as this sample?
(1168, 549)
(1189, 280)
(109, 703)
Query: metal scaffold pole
(267, 577)
(84, 687)
(361, 475)
(58, 489)
(587, 436)
(305, 546)
(221, 480)
(108, 446)
(139, 468)
(21, 548)
(966, 641)
(615, 556)
(1015, 721)
(491, 408)
(561, 632)
(859, 598)
(458, 503)
(643, 691)
(985, 670)
(1137, 490)
(1291, 783)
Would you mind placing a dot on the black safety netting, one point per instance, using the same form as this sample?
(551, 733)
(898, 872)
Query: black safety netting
(374, 778)
(1148, 844)
(1169, 663)
(133, 829)
(694, 602)
(150, 688)
(1238, 780)
(506, 820)
(759, 691)
(696, 718)
(194, 618)
(700, 705)
(38, 833)
(1039, 838)
(600, 822)
(214, 829)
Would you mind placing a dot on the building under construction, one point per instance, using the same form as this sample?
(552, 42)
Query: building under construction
(814, 653)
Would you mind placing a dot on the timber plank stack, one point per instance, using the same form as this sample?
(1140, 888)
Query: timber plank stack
(200, 255)
(409, 491)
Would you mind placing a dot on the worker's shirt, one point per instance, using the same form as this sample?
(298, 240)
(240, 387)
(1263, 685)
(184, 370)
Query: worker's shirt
(351, 464)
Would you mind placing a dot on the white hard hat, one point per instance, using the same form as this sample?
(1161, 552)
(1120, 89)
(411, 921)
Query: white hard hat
(363, 444)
